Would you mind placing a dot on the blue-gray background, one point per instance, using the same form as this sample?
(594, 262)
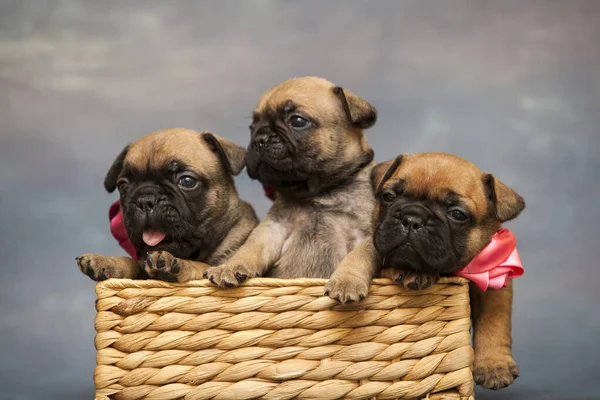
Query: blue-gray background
(513, 86)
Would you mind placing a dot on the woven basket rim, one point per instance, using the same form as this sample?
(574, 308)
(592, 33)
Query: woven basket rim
(119, 284)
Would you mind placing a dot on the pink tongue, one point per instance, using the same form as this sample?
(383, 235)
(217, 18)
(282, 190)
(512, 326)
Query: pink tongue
(152, 238)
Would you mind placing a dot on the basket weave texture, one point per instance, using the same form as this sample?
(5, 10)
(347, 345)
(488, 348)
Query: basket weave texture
(281, 339)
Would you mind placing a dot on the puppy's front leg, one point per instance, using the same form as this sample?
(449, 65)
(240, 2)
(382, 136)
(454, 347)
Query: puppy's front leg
(254, 258)
(494, 366)
(351, 279)
(164, 266)
(100, 267)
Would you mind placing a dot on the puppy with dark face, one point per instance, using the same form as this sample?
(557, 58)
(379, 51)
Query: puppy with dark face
(307, 144)
(435, 212)
(180, 206)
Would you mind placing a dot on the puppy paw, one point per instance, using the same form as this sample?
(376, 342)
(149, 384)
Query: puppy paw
(346, 290)
(495, 372)
(163, 265)
(410, 279)
(229, 275)
(98, 267)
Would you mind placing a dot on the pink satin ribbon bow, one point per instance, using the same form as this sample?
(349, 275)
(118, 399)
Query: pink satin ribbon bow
(117, 228)
(498, 262)
(269, 192)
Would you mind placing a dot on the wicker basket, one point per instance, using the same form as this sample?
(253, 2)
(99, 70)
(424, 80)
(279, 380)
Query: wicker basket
(281, 339)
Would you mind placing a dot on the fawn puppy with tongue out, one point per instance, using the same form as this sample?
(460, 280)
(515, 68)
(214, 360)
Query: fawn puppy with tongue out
(180, 206)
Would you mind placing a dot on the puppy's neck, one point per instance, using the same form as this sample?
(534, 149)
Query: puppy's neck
(345, 177)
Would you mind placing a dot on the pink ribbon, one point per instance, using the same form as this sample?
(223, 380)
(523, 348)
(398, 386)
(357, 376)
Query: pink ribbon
(498, 262)
(117, 228)
(269, 192)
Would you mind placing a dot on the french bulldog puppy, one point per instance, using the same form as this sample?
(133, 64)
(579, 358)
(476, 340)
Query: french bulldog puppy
(307, 145)
(434, 213)
(180, 206)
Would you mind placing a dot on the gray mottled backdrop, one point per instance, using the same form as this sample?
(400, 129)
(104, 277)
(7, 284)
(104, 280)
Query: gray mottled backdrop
(513, 86)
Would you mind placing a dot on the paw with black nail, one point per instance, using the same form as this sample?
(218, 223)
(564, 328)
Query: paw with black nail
(99, 268)
(229, 275)
(163, 266)
(410, 279)
(346, 289)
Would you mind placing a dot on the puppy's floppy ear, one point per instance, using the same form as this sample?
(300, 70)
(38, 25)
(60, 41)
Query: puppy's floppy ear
(231, 155)
(507, 203)
(382, 172)
(360, 113)
(110, 180)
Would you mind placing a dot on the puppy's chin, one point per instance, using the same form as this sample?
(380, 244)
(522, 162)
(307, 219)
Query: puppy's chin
(423, 252)
(407, 256)
(179, 248)
(272, 163)
(162, 232)
(283, 171)
(278, 178)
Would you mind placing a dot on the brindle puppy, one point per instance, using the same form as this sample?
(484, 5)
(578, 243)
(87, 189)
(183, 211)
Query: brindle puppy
(308, 144)
(435, 212)
(180, 206)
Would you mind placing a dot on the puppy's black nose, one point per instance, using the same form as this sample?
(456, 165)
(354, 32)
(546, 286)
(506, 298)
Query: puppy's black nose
(266, 136)
(412, 222)
(261, 140)
(146, 203)
(413, 217)
(262, 136)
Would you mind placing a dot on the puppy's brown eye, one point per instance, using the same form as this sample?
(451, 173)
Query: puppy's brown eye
(388, 197)
(188, 182)
(457, 215)
(298, 122)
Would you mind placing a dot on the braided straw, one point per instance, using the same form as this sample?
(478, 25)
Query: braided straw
(281, 339)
